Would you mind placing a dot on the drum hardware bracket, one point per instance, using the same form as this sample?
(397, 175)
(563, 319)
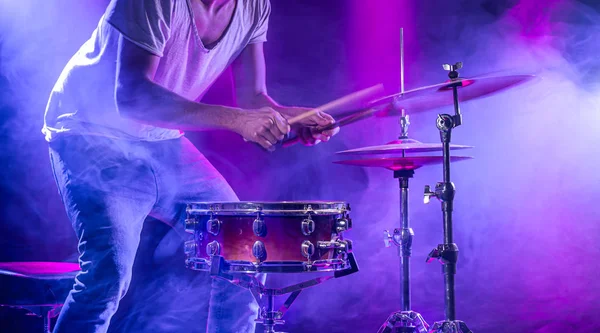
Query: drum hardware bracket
(443, 191)
(396, 239)
(265, 297)
(341, 247)
(447, 255)
(402, 238)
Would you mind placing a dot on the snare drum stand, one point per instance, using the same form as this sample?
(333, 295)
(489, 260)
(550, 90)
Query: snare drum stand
(405, 321)
(265, 297)
(447, 253)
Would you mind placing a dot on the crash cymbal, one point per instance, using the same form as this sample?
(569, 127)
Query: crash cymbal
(423, 99)
(438, 95)
(399, 146)
(401, 163)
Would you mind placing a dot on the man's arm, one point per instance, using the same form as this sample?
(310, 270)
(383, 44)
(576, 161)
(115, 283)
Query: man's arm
(251, 83)
(249, 71)
(138, 97)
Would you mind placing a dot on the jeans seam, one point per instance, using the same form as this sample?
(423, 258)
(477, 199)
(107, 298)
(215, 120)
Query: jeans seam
(156, 196)
(52, 165)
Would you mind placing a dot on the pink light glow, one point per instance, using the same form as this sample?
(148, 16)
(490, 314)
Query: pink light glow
(374, 38)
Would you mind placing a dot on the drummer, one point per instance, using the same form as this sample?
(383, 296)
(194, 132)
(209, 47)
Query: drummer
(115, 120)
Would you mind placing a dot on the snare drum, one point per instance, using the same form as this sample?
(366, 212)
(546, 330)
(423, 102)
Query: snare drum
(269, 237)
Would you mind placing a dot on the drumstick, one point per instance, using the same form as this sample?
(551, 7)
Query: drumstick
(351, 98)
(354, 97)
(344, 121)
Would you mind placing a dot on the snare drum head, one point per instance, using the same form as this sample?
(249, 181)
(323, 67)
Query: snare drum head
(280, 208)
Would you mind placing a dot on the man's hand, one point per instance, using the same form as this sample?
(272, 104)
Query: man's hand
(308, 129)
(251, 92)
(264, 126)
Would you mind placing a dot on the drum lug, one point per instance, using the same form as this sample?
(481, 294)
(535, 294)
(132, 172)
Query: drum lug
(190, 248)
(308, 249)
(343, 224)
(191, 224)
(213, 248)
(259, 251)
(308, 226)
(259, 226)
(213, 226)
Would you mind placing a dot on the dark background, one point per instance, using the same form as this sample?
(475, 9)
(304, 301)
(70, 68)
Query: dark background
(526, 215)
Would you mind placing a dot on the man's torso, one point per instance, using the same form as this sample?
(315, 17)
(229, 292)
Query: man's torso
(82, 101)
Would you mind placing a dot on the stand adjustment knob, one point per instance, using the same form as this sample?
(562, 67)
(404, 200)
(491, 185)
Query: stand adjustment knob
(428, 194)
(389, 239)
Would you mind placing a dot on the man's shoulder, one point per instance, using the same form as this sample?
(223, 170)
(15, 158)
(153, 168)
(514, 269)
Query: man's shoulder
(257, 5)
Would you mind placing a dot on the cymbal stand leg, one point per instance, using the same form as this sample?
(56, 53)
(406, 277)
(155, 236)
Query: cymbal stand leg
(447, 253)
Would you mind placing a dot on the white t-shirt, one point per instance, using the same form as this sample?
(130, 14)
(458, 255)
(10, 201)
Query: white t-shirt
(82, 101)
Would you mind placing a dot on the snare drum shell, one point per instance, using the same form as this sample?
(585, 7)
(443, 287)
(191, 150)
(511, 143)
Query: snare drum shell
(284, 234)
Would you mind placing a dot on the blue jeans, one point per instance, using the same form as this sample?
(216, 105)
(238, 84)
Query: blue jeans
(109, 187)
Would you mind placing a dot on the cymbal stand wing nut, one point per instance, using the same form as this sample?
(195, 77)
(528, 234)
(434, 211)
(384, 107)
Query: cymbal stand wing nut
(443, 191)
(396, 239)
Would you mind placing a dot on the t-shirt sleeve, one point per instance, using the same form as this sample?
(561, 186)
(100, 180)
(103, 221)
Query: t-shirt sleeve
(146, 23)
(260, 33)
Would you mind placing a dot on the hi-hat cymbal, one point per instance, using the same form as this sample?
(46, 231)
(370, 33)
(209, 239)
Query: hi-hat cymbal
(400, 146)
(438, 95)
(401, 163)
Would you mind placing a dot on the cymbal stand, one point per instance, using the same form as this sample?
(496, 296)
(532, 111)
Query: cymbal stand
(405, 321)
(447, 253)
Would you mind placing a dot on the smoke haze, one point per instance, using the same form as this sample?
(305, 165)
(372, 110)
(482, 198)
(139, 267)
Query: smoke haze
(526, 218)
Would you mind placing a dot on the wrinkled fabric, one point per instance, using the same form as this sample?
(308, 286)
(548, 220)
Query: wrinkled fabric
(109, 187)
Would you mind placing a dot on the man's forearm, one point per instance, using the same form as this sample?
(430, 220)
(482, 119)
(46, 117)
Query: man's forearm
(262, 100)
(149, 103)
